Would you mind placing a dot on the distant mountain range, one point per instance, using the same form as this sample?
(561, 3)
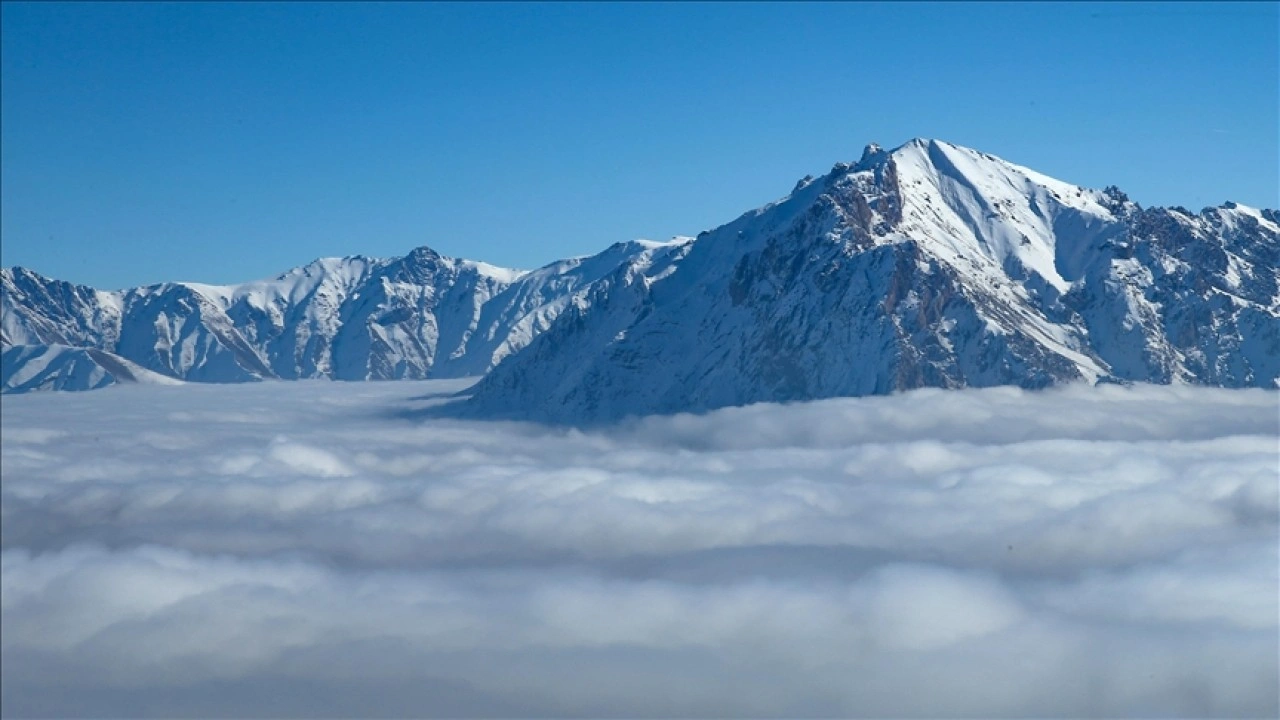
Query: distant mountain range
(930, 265)
(355, 318)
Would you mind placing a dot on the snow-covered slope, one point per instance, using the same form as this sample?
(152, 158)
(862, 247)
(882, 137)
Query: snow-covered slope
(352, 318)
(59, 367)
(931, 265)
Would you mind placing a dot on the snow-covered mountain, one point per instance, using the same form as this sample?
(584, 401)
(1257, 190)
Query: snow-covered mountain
(930, 265)
(352, 318)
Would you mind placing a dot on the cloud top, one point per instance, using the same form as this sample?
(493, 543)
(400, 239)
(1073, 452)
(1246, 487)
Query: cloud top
(309, 549)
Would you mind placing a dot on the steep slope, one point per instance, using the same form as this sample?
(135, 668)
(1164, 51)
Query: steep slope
(931, 265)
(57, 367)
(352, 318)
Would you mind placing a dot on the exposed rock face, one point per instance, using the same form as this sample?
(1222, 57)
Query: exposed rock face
(928, 266)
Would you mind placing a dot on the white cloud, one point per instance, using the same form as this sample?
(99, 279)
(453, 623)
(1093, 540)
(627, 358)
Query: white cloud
(315, 549)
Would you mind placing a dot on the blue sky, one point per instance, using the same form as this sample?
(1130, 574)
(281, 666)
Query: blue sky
(227, 142)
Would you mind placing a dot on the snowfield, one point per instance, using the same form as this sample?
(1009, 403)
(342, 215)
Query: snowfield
(328, 549)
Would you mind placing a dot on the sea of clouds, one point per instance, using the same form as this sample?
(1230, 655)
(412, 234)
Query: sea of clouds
(313, 549)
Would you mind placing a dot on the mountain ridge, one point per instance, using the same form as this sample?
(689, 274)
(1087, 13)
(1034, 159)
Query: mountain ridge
(928, 265)
(349, 318)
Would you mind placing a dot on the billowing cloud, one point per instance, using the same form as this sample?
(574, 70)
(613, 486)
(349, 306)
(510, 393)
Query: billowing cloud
(313, 549)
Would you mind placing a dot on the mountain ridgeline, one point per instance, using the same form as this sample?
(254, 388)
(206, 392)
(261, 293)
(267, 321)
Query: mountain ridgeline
(930, 265)
(356, 318)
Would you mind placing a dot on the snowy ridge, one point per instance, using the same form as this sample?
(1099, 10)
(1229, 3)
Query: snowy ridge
(353, 318)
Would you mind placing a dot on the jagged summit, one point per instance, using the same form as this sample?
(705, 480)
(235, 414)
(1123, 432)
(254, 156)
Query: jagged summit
(871, 155)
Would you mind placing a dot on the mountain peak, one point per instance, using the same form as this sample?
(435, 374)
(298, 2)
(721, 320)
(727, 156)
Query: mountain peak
(928, 265)
(424, 252)
(872, 155)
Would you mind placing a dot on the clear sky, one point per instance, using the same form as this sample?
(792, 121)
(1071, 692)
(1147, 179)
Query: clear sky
(228, 142)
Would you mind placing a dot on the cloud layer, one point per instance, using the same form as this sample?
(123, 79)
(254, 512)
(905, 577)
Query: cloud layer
(309, 549)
